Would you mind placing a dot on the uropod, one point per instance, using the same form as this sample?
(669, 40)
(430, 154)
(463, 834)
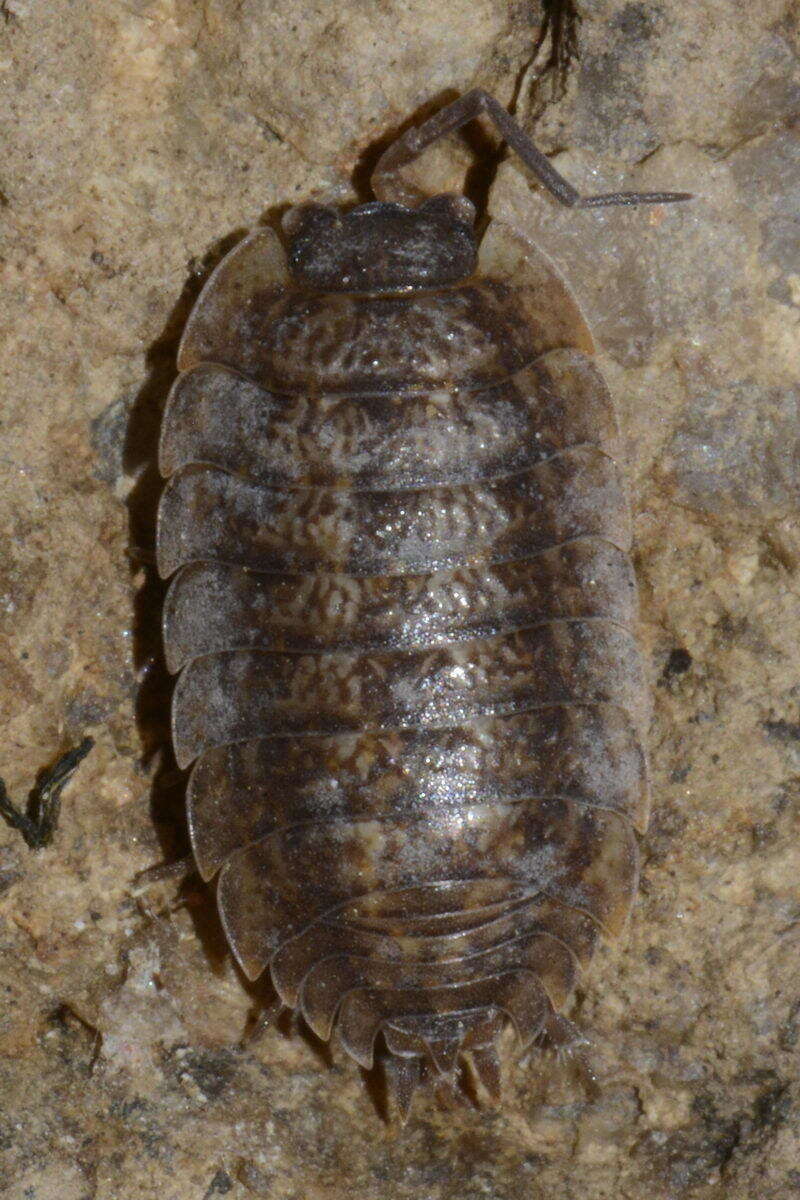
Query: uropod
(401, 614)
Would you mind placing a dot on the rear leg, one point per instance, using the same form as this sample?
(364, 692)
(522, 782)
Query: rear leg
(567, 1042)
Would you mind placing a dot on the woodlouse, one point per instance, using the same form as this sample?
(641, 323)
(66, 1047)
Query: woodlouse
(401, 611)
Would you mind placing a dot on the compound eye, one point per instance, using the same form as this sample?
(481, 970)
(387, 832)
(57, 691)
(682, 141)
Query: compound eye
(457, 208)
(302, 218)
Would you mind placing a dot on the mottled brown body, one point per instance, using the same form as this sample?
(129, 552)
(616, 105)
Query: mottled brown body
(401, 607)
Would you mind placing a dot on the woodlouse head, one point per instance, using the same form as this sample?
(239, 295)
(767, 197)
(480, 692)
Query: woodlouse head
(382, 247)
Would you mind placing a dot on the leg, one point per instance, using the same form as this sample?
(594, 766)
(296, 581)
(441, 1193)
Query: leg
(266, 1018)
(387, 184)
(179, 868)
(567, 1041)
(37, 823)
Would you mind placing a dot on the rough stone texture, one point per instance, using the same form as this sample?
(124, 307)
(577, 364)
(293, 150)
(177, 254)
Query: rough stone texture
(139, 140)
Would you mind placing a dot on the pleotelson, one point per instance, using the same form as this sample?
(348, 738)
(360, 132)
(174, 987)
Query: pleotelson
(401, 608)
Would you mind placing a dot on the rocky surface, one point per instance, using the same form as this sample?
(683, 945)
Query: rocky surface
(140, 139)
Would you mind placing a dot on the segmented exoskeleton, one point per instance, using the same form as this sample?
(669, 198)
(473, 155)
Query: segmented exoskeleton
(401, 611)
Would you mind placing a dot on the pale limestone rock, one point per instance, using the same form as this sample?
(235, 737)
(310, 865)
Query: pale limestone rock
(139, 140)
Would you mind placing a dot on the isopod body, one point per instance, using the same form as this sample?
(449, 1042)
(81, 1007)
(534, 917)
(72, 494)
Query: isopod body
(401, 612)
